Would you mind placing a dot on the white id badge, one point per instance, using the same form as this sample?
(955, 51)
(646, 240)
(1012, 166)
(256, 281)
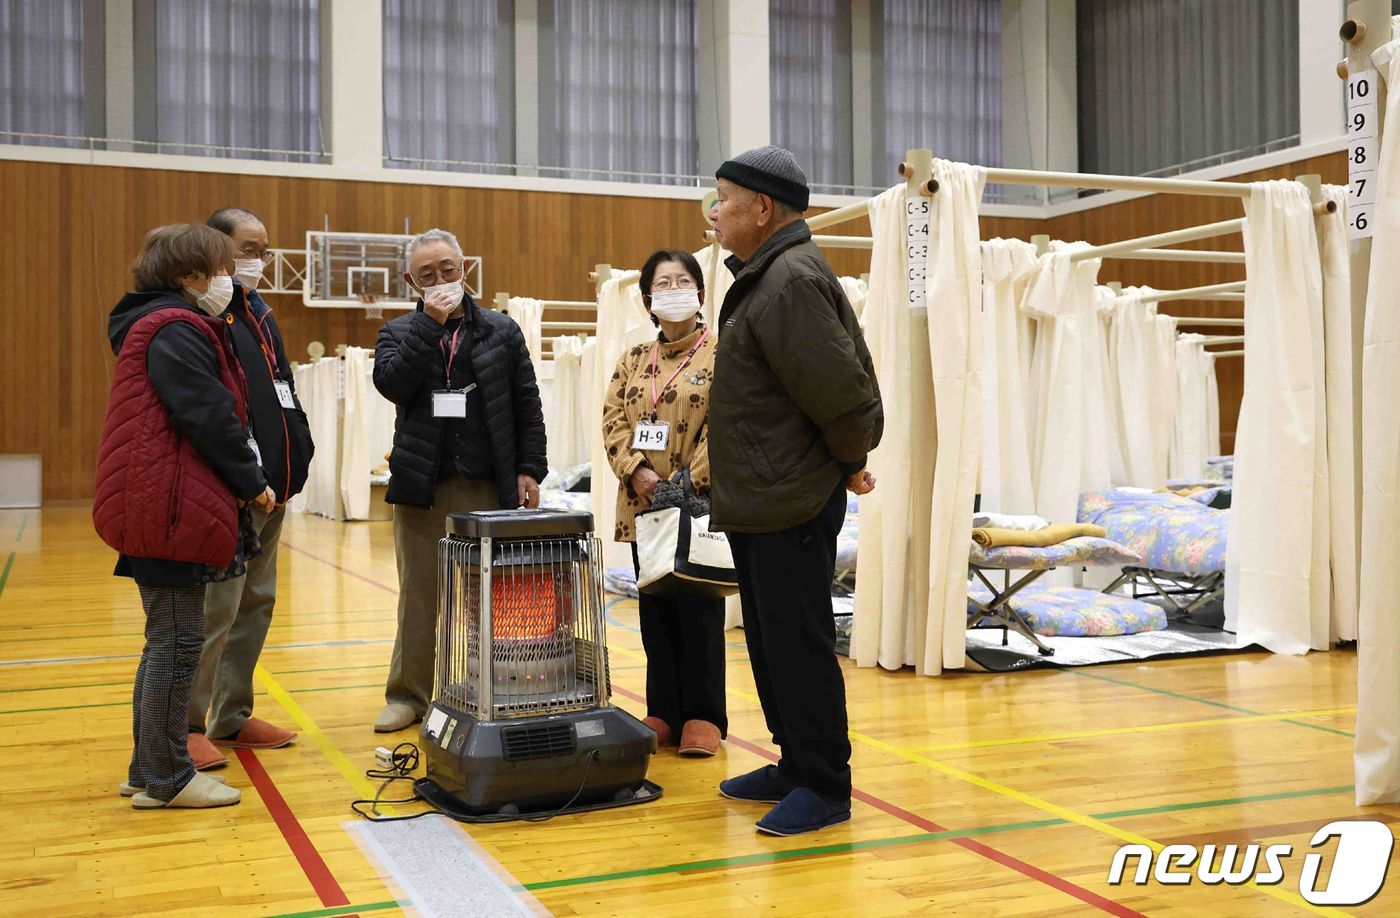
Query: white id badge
(257, 453)
(652, 437)
(450, 403)
(284, 393)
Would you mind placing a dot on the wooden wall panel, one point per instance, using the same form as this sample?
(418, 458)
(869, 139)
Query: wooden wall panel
(70, 232)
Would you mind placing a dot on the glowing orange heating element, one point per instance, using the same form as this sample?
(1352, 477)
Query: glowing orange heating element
(524, 607)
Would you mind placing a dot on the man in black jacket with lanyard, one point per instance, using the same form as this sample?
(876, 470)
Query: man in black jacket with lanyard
(238, 612)
(469, 435)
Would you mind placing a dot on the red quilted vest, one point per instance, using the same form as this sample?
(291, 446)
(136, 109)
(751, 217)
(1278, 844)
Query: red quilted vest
(156, 496)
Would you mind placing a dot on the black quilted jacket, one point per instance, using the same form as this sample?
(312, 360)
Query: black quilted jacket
(408, 367)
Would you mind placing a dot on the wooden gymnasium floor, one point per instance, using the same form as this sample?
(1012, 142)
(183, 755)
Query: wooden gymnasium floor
(976, 794)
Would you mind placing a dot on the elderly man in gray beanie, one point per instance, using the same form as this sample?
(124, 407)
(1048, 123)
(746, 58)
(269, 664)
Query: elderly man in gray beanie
(794, 409)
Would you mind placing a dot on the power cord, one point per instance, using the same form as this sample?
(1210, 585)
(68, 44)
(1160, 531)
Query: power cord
(402, 762)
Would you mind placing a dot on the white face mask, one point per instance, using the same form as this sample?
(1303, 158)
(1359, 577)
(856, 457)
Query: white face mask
(217, 299)
(675, 305)
(248, 270)
(455, 291)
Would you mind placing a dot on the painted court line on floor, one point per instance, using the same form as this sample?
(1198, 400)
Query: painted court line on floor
(329, 749)
(49, 661)
(1124, 731)
(1207, 701)
(5, 575)
(928, 825)
(1063, 812)
(302, 848)
(344, 570)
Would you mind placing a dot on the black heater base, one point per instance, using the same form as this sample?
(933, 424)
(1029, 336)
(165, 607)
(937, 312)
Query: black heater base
(449, 805)
(524, 768)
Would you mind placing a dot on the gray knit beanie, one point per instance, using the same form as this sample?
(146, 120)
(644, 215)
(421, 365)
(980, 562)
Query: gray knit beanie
(769, 170)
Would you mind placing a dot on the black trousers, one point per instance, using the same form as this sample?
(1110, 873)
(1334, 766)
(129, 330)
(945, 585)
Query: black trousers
(785, 585)
(683, 636)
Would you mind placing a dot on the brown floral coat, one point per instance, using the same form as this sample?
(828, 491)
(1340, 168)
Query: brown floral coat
(684, 405)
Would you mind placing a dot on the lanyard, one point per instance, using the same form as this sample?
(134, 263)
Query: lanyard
(449, 356)
(263, 343)
(655, 360)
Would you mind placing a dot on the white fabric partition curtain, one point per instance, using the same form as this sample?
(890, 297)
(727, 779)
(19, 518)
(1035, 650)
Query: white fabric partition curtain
(1105, 305)
(1278, 590)
(567, 421)
(956, 358)
(527, 313)
(1133, 338)
(856, 291)
(895, 517)
(367, 432)
(318, 386)
(1341, 431)
(622, 323)
(717, 280)
(1164, 405)
(1378, 678)
(1068, 451)
(1191, 446)
(1008, 266)
(915, 526)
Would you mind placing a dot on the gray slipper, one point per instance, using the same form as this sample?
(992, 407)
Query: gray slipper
(127, 789)
(202, 791)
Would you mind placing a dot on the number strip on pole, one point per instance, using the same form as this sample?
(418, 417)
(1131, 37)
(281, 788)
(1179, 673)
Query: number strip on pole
(1362, 152)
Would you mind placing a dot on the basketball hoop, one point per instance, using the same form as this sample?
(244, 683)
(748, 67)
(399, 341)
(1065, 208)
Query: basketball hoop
(371, 311)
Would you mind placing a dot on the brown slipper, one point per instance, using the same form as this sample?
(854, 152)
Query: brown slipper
(203, 753)
(699, 738)
(258, 734)
(662, 731)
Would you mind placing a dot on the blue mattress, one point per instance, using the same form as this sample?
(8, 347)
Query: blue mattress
(1172, 533)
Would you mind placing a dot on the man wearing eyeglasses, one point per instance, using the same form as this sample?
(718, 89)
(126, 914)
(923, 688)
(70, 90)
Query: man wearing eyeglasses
(469, 436)
(238, 611)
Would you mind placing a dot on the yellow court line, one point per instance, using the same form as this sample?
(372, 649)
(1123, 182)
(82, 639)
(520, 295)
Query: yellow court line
(1064, 813)
(328, 748)
(1121, 731)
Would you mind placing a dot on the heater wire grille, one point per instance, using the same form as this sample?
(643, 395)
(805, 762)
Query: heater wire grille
(531, 612)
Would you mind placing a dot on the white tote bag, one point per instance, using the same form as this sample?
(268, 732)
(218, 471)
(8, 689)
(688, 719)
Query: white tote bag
(677, 553)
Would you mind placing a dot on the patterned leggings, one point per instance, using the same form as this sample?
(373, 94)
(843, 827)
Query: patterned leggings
(160, 759)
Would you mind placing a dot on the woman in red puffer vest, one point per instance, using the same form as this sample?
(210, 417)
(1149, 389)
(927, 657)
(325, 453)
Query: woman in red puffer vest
(175, 469)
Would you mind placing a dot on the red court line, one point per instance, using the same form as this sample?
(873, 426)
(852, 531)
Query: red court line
(928, 825)
(320, 876)
(344, 570)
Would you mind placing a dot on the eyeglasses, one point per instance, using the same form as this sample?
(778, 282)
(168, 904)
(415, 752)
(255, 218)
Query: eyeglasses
(445, 276)
(666, 284)
(266, 256)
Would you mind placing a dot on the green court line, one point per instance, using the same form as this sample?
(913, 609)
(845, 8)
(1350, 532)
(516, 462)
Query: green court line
(55, 688)
(330, 619)
(24, 521)
(341, 910)
(5, 576)
(69, 707)
(113, 704)
(1215, 704)
(1228, 801)
(332, 669)
(852, 847)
